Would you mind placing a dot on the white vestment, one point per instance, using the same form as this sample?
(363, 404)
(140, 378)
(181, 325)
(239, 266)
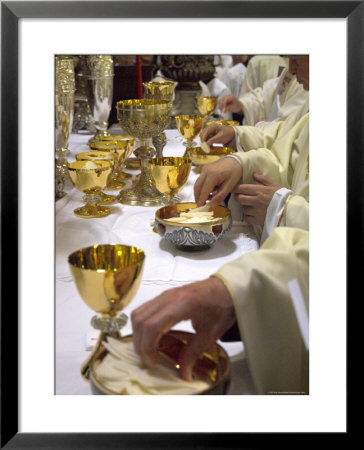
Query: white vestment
(258, 283)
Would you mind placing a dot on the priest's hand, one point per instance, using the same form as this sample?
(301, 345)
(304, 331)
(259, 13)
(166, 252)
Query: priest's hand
(218, 134)
(255, 198)
(206, 303)
(216, 181)
(229, 103)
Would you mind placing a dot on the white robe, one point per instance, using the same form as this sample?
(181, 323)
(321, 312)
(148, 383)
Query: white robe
(258, 283)
(282, 154)
(274, 101)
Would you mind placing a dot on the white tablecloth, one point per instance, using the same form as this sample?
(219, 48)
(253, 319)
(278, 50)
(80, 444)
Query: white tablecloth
(165, 266)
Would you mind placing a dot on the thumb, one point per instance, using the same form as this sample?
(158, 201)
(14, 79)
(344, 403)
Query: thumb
(190, 354)
(263, 180)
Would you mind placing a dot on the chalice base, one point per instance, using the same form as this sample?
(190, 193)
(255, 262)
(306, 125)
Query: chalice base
(134, 197)
(115, 184)
(91, 211)
(171, 200)
(106, 199)
(123, 176)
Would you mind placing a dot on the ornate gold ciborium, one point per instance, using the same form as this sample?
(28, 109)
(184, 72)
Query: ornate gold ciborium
(144, 119)
(170, 175)
(159, 90)
(90, 177)
(206, 105)
(122, 176)
(121, 149)
(189, 127)
(107, 277)
(65, 87)
(100, 79)
(112, 158)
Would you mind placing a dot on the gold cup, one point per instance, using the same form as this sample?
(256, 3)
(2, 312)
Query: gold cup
(121, 149)
(90, 181)
(144, 119)
(122, 176)
(200, 158)
(96, 155)
(107, 277)
(206, 105)
(170, 174)
(189, 127)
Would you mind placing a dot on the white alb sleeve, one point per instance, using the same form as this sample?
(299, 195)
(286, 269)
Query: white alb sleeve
(274, 212)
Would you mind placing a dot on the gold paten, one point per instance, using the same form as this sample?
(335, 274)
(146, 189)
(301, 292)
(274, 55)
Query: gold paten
(107, 277)
(189, 127)
(122, 149)
(231, 123)
(90, 182)
(213, 366)
(144, 119)
(200, 158)
(170, 174)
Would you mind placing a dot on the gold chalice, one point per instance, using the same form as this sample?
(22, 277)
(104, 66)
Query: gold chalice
(122, 176)
(144, 119)
(96, 155)
(159, 90)
(189, 127)
(206, 105)
(107, 277)
(170, 174)
(90, 177)
(121, 150)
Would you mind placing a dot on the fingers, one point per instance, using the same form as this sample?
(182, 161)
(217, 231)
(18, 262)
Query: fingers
(191, 352)
(210, 133)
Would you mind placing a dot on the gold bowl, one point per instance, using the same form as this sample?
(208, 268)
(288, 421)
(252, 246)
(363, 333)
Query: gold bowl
(213, 366)
(191, 236)
(200, 158)
(231, 123)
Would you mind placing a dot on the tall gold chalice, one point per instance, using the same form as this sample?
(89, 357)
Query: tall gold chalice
(112, 158)
(122, 176)
(170, 175)
(144, 119)
(159, 90)
(206, 105)
(121, 150)
(189, 127)
(107, 277)
(90, 177)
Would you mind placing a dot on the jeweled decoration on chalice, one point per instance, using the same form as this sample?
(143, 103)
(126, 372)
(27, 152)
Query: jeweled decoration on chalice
(100, 78)
(64, 110)
(160, 90)
(143, 119)
(107, 278)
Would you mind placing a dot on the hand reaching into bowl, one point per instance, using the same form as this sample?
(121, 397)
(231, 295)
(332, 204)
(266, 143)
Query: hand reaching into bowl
(206, 303)
(219, 178)
(218, 134)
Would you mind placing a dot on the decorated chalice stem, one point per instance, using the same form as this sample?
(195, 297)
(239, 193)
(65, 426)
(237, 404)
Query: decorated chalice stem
(159, 143)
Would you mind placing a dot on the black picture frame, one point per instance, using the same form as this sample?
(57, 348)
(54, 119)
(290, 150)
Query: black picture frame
(11, 13)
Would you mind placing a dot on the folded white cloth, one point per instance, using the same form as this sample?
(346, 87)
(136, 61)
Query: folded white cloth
(122, 372)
